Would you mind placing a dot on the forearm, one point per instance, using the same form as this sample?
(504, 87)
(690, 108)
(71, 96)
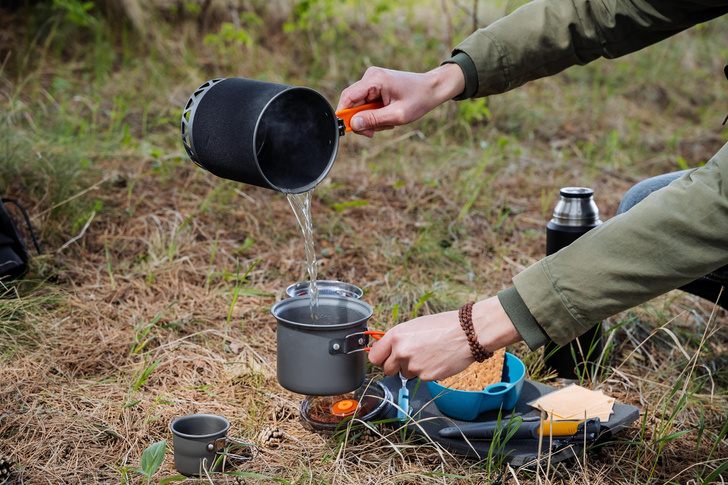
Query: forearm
(672, 237)
(434, 347)
(545, 37)
(406, 96)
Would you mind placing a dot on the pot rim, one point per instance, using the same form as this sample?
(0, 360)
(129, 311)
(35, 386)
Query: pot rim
(344, 301)
(335, 128)
(331, 286)
(197, 437)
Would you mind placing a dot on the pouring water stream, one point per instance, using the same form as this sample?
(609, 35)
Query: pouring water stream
(301, 205)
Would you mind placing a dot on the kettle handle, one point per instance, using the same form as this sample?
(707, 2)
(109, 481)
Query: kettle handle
(345, 114)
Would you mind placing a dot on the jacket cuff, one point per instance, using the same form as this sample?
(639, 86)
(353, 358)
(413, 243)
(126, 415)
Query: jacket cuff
(521, 317)
(469, 71)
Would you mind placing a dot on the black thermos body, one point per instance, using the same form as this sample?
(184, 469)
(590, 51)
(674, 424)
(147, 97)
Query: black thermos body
(575, 214)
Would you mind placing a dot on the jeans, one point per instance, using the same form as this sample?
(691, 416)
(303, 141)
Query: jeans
(708, 286)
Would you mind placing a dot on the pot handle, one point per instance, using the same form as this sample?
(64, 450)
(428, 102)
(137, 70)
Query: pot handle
(345, 114)
(221, 446)
(354, 342)
(375, 334)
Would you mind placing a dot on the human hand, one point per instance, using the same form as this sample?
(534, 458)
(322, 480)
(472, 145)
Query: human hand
(434, 347)
(406, 96)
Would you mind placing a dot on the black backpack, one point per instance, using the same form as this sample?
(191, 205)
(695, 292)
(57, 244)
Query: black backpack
(14, 254)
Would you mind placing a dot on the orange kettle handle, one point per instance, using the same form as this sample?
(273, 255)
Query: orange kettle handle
(346, 114)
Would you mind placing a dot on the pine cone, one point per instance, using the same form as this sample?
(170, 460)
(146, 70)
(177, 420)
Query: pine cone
(282, 412)
(6, 467)
(367, 437)
(270, 436)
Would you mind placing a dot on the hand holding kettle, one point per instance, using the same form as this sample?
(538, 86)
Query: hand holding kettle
(406, 96)
(434, 347)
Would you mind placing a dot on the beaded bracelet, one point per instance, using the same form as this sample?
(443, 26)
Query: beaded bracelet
(465, 315)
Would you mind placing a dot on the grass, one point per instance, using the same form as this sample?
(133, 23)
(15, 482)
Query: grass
(152, 299)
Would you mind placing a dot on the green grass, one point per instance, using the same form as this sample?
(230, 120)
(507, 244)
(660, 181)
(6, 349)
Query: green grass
(18, 309)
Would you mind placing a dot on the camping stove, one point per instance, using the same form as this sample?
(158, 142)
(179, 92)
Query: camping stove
(324, 414)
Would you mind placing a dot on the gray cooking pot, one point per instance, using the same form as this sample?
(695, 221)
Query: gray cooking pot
(326, 356)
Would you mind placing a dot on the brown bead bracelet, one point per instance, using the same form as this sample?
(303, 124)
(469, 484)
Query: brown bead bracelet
(465, 315)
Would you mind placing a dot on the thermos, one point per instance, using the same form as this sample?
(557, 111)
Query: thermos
(574, 215)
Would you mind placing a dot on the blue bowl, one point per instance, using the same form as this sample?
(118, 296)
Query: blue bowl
(467, 405)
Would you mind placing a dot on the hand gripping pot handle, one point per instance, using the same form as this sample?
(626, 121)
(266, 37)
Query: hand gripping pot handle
(271, 135)
(354, 342)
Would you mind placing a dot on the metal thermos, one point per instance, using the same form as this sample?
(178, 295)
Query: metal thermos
(574, 215)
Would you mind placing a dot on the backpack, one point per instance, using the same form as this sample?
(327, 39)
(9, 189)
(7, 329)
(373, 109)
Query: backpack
(14, 254)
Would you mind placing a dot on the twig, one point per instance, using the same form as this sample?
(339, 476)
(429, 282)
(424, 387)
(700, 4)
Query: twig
(80, 235)
(702, 341)
(515, 264)
(513, 473)
(5, 61)
(93, 187)
(448, 23)
(204, 467)
(652, 333)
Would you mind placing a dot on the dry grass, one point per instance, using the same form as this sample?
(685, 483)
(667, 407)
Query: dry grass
(70, 413)
(142, 271)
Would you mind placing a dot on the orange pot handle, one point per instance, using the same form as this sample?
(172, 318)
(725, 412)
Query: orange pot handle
(376, 334)
(346, 114)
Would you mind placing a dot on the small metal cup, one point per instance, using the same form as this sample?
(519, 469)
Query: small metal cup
(200, 442)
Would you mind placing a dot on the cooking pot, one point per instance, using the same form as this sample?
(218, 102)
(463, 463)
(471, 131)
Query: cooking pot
(324, 356)
(271, 135)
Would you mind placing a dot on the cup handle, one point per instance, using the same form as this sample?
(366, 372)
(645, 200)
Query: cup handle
(221, 446)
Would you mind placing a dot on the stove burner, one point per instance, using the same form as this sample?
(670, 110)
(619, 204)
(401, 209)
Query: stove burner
(345, 407)
(324, 413)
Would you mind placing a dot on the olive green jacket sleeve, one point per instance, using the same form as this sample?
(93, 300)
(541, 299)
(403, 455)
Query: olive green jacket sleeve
(673, 237)
(545, 37)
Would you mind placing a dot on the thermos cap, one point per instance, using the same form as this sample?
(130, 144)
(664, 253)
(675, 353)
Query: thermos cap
(576, 207)
(576, 192)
